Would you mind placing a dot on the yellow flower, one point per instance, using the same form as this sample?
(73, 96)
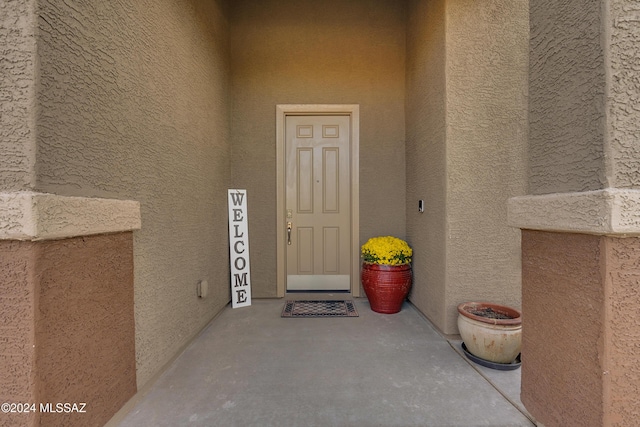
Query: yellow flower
(386, 250)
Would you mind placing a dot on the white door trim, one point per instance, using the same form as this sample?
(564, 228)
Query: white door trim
(282, 111)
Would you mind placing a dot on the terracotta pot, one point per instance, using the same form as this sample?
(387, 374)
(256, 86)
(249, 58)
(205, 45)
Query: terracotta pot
(386, 286)
(495, 340)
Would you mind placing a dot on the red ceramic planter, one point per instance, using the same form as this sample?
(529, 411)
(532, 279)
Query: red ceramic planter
(386, 286)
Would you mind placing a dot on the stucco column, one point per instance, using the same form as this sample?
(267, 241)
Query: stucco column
(66, 292)
(581, 222)
(466, 112)
(581, 281)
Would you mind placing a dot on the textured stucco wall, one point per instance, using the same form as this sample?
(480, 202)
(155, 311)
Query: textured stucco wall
(17, 354)
(67, 327)
(17, 94)
(580, 291)
(85, 338)
(622, 333)
(133, 103)
(562, 303)
(624, 87)
(426, 155)
(318, 52)
(581, 329)
(27, 215)
(583, 105)
(611, 211)
(567, 95)
(476, 88)
(486, 149)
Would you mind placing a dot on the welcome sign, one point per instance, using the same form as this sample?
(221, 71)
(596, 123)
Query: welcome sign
(239, 249)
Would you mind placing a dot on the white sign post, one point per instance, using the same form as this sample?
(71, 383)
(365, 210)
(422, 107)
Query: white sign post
(239, 249)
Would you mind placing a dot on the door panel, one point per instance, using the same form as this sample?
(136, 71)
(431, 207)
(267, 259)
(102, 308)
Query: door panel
(305, 250)
(304, 188)
(331, 250)
(331, 180)
(317, 180)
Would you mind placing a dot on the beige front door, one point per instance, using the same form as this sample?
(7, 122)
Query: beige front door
(318, 202)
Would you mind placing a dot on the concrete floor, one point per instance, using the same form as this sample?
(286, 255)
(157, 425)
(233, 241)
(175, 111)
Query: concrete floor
(250, 367)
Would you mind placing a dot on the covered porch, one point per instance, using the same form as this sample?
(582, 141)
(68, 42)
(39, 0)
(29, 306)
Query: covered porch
(123, 124)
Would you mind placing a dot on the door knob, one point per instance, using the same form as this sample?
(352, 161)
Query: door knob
(289, 225)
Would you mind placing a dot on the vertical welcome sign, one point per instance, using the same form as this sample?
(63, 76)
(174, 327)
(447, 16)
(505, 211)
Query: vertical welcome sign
(239, 249)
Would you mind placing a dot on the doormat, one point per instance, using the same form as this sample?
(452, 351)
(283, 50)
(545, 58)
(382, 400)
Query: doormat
(319, 309)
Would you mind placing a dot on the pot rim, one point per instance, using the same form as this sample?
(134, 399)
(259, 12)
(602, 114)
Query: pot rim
(516, 316)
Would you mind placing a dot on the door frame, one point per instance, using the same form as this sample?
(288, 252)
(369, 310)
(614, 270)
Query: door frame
(282, 111)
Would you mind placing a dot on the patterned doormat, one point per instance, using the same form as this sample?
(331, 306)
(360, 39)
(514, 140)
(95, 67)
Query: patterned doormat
(319, 309)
